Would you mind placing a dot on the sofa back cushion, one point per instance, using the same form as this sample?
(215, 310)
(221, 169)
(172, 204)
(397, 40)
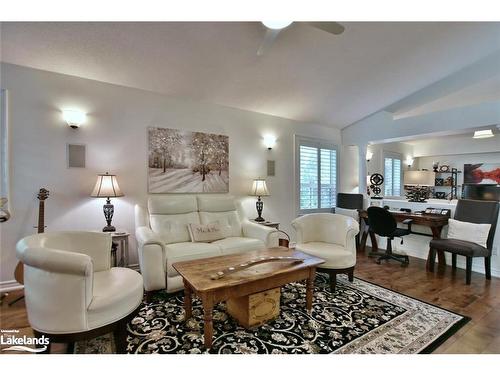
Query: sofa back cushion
(223, 210)
(169, 216)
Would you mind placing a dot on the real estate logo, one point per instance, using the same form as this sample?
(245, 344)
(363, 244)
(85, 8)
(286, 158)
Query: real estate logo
(19, 343)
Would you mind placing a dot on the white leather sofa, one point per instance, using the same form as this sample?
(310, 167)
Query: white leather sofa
(163, 237)
(331, 237)
(71, 291)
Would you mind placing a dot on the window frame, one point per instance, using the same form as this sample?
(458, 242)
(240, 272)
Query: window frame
(319, 144)
(398, 156)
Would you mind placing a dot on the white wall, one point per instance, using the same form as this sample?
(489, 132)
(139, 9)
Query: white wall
(115, 135)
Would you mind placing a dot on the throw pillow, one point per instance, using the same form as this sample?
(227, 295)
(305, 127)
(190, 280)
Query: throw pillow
(347, 212)
(462, 230)
(205, 232)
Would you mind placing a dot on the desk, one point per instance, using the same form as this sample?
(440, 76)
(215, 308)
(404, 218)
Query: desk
(434, 222)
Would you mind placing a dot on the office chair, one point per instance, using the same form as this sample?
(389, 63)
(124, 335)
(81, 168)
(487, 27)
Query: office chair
(479, 212)
(381, 222)
(349, 205)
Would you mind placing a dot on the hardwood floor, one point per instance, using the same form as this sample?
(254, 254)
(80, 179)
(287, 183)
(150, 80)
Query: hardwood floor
(480, 301)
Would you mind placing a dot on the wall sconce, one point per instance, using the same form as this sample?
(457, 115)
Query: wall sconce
(409, 161)
(369, 155)
(269, 141)
(74, 118)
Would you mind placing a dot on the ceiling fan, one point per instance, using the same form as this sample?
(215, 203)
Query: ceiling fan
(273, 28)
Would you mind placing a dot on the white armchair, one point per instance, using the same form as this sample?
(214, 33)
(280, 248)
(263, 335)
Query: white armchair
(331, 237)
(71, 291)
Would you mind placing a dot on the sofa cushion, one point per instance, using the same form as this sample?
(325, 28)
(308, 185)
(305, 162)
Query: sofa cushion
(178, 252)
(216, 203)
(229, 221)
(232, 245)
(347, 212)
(173, 228)
(335, 256)
(205, 232)
(172, 204)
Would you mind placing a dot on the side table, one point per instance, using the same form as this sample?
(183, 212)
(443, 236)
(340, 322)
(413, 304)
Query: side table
(120, 241)
(272, 224)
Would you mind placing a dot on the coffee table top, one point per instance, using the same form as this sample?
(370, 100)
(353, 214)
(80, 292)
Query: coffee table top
(198, 272)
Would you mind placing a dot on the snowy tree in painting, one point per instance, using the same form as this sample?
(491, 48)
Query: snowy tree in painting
(187, 162)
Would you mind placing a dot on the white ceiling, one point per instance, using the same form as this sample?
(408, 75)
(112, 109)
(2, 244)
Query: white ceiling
(307, 75)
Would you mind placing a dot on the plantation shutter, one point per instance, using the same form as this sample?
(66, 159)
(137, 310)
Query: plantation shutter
(392, 174)
(317, 176)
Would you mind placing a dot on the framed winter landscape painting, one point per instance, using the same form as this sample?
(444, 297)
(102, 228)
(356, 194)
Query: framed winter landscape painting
(187, 162)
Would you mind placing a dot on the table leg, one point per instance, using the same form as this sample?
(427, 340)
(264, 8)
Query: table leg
(126, 252)
(208, 306)
(436, 235)
(188, 309)
(310, 289)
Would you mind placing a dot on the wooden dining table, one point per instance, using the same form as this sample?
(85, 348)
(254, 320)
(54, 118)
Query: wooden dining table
(435, 222)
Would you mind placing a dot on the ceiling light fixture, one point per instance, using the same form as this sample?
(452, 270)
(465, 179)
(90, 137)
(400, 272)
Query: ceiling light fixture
(276, 25)
(478, 134)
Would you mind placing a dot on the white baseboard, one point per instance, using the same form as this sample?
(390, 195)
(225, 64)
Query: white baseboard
(9, 286)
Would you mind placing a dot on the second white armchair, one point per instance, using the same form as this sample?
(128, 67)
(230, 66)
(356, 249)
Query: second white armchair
(331, 237)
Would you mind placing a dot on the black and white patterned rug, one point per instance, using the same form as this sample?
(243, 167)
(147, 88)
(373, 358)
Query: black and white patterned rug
(360, 317)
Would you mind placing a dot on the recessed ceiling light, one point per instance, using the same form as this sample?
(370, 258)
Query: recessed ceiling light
(276, 25)
(483, 134)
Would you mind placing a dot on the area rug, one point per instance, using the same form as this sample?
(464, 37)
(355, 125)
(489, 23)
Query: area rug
(360, 317)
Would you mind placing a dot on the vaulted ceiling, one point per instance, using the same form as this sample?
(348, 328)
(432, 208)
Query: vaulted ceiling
(307, 74)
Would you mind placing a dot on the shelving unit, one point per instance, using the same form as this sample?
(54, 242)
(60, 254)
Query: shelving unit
(454, 185)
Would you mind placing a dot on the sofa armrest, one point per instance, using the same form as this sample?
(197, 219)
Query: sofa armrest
(145, 236)
(152, 259)
(267, 235)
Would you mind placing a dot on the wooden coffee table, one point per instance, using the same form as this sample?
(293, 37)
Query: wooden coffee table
(198, 278)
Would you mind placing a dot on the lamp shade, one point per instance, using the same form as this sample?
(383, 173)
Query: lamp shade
(259, 187)
(421, 178)
(106, 186)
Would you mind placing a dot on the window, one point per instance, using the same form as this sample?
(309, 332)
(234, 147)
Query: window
(392, 174)
(317, 175)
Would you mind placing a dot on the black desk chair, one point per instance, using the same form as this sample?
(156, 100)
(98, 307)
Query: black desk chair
(381, 222)
(351, 201)
(478, 212)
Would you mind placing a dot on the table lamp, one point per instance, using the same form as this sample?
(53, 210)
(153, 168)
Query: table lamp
(107, 187)
(419, 182)
(259, 189)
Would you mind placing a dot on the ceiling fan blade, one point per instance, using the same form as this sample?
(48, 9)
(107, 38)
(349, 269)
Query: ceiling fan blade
(271, 35)
(329, 27)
